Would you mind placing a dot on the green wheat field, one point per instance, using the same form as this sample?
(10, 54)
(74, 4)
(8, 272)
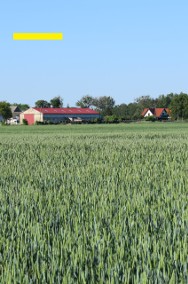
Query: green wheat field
(94, 203)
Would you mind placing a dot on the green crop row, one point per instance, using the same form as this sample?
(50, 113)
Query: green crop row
(103, 207)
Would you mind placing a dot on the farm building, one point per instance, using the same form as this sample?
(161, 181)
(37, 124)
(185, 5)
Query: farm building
(158, 113)
(57, 115)
(16, 111)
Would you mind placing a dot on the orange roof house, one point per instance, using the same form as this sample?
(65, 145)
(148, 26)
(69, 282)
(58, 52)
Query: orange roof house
(159, 113)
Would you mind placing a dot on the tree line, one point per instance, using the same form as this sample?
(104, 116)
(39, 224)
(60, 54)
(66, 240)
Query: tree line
(177, 103)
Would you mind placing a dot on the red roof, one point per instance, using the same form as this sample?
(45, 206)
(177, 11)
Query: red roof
(156, 111)
(70, 110)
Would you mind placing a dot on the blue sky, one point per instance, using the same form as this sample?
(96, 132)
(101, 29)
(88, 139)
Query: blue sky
(124, 49)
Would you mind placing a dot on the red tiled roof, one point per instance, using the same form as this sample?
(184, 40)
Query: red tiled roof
(156, 111)
(70, 110)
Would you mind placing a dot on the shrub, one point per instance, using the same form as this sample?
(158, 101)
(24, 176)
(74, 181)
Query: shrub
(25, 122)
(151, 118)
(111, 119)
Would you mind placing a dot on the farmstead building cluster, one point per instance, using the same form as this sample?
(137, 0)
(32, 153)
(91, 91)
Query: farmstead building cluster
(56, 115)
(158, 113)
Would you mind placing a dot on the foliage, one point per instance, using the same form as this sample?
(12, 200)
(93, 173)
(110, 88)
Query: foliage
(5, 110)
(25, 122)
(42, 104)
(131, 111)
(104, 104)
(164, 100)
(85, 102)
(146, 102)
(56, 102)
(150, 118)
(98, 120)
(111, 119)
(120, 110)
(179, 106)
(176, 102)
(94, 204)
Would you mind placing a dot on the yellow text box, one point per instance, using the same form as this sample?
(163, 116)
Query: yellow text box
(37, 36)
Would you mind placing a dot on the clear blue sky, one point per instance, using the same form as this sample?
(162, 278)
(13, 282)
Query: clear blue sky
(124, 49)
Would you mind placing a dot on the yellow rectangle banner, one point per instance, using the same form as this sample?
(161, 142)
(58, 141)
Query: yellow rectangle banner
(37, 36)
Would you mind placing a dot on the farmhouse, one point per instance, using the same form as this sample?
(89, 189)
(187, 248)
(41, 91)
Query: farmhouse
(16, 111)
(158, 113)
(57, 115)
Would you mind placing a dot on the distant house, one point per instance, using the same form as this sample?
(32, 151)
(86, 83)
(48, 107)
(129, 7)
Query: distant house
(16, 111)
(158, 113)
(56, 115)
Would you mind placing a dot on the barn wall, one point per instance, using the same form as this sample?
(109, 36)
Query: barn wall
(21, 118)
(37, 116)
(61, 117)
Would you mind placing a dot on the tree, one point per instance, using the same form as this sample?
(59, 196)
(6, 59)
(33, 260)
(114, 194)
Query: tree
(134, 110)
(56, 102)
(42, 104)
(164, 100)
(120, 111)
(145, 102)
(85, 102)
(128, 112)
(104, 104)
(179, 106)
(5, 110)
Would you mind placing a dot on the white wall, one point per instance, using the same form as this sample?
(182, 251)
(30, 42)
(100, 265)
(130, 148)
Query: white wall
(148, 113)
